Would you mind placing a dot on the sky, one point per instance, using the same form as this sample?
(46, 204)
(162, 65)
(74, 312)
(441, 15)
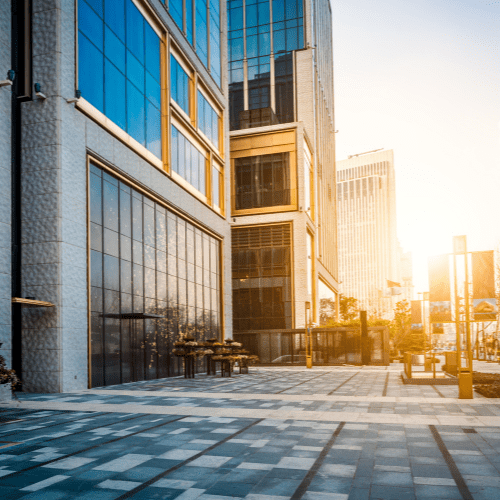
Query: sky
(422, 78)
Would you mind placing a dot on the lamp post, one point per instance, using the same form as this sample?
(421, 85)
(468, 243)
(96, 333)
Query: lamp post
(308, 335)
(465, 390)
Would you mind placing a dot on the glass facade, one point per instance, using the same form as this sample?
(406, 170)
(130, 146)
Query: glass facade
(205, 37)
(216, 187)
(179, 84)
(285, 29)
(262, 181)
(119, 68)
(208, 120)
(262, 277)
(145, 259)
(188, 161)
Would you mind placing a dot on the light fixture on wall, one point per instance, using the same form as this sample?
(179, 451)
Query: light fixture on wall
(78, 94)
(10, 79)
(38, 92)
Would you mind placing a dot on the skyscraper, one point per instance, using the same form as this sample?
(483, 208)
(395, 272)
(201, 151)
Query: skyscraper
(284, 241)
(368, 247)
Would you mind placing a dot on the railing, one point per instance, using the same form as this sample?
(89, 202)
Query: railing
(330, 346)
(412, 359)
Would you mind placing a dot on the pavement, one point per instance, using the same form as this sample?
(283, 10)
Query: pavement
(330, 433)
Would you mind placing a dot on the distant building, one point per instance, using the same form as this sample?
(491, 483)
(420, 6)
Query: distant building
(368, 246)
(282, 141)
(406, 274)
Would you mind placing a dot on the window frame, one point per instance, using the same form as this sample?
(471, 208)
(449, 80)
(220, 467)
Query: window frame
(256, 144)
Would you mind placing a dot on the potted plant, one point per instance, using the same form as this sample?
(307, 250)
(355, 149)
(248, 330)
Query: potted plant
(8, 380)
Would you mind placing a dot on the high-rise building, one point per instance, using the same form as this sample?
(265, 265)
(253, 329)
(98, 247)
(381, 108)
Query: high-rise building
(284, 240)
(368, 245)
(406, 275)
(116, 221)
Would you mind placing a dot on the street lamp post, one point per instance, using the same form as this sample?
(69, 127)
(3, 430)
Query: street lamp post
(465, 390)
(307, 325)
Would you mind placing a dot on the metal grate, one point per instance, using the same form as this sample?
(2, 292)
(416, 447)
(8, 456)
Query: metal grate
(277, 235)
(470, 431)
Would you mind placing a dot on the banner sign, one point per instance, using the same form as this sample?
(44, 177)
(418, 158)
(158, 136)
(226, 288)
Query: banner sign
(416, 312)
(483, 286)
(439, 289)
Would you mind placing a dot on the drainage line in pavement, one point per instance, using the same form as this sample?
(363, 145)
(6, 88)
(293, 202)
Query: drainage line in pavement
(17, 473)
(296, 385)
(149, 482)
(438, 391)
(384, 392)
(344, 382)
(459, 480)
(302, 488)
(17, 431)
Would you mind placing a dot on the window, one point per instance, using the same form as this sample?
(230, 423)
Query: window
(119, 68)
(307, 181)
(285, 29)
(261, 277)
(208, 120)
(216, 187)
(179, 84)
(145, 259)
(202, 31)
(215, 40)
(188, 161)
(262, 181)
(207, 16)
(309, 264)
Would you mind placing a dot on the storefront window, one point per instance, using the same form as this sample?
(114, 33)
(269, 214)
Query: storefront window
(145, 259)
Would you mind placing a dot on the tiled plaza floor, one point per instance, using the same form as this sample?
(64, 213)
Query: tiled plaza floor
(336, 433)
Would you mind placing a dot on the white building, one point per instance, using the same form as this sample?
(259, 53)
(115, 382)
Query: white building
(368, 246)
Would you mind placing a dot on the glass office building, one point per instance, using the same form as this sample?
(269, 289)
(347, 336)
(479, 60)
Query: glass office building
(262, 36)
(121, 229)
(284, 245)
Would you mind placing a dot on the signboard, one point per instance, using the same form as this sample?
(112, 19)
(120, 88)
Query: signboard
(439, 289)
(483, 286)
(416, 312)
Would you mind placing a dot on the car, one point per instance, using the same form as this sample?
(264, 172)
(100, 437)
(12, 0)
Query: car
(287, 358)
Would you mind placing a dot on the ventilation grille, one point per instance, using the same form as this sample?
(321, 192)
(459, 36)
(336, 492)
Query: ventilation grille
(277, 235)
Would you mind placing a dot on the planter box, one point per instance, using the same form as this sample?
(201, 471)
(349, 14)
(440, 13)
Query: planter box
(5, 393)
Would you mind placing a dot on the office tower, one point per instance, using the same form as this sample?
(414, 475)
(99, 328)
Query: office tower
(282, 161)
(119, 232)
(406, 275)
(368, 246)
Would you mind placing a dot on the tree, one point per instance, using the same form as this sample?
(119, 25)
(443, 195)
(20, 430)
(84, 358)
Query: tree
(326, 311)
(348, 308)
(403, 336)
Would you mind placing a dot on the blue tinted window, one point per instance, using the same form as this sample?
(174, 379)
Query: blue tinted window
(201, 31)
(215, 43)
(135, 113)
(189, 20)
(135, 72)
(175, 9)
(90, 24)
(208, 120)
(135, 31)
(153, 123)
(91, 73)
(152, 53)
(121, 87)
(187, 161)
(97, 6)
(114, 50)
(179, 84)
(114, 17)
(115, 97)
